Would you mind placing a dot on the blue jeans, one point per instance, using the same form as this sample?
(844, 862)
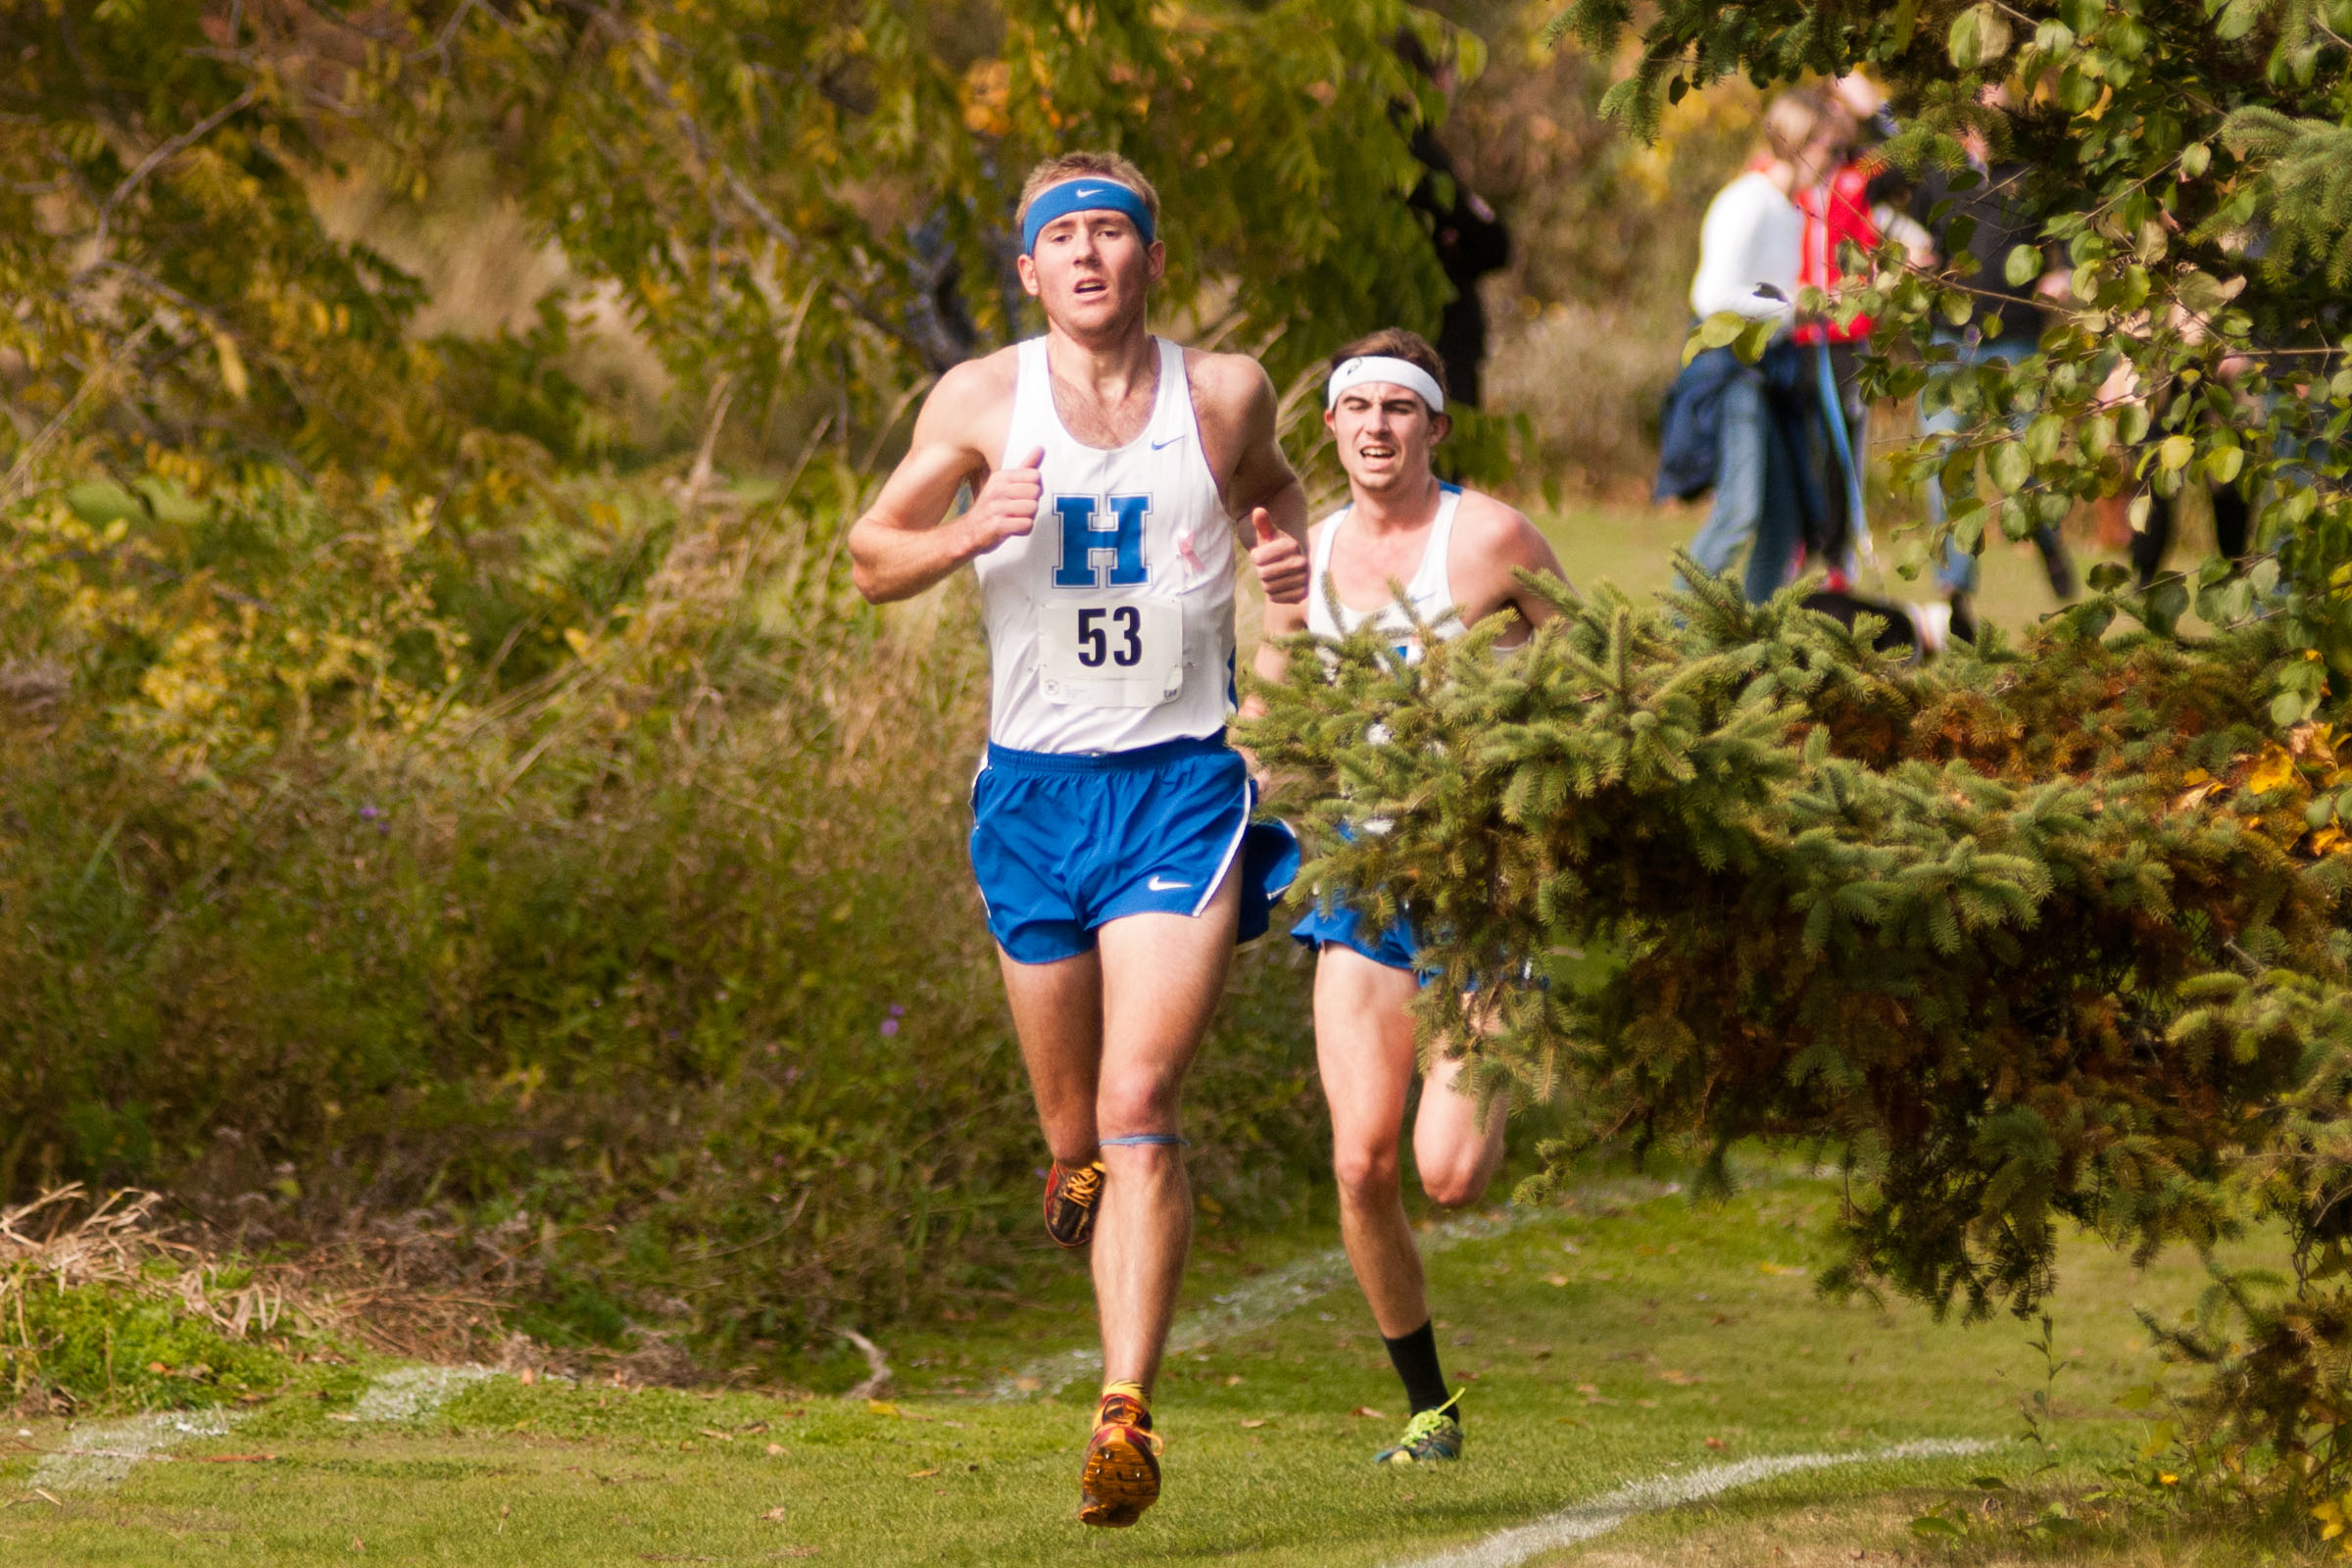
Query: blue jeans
(1755, 500)
(1956, 571)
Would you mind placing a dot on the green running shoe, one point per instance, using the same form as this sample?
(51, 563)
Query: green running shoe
(1430, 1437)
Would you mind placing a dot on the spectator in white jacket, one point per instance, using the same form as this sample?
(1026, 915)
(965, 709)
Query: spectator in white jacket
(1750, 251)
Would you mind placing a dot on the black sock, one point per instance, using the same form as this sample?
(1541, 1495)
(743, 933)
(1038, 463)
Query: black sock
(1415, 1357)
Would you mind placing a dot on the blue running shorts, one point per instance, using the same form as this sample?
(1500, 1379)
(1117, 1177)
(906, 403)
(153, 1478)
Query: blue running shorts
(1065, 843)
(1397, 945)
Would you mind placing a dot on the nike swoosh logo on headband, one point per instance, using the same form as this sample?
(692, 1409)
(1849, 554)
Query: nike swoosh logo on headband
(1082, 192)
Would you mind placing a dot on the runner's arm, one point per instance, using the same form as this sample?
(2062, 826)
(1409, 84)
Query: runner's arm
(1272, 661)
(1530, 548)
(1503, 539)
(905, 542)
(1266, 497)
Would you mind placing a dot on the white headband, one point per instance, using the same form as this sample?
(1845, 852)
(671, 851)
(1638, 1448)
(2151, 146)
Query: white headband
(1382, 367)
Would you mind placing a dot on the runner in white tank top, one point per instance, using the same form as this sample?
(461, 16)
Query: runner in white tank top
(1111, 831)
(1111, 626)
(1429, 594)
(1451, 551)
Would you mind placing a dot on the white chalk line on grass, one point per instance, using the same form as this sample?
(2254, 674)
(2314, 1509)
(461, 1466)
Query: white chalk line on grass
(408, 1392)
(1269, 1298)
(1507, 1549)
(105, 1451)
(1246, 1308)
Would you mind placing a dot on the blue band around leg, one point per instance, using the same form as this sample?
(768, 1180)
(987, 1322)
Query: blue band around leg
(1148, 1141)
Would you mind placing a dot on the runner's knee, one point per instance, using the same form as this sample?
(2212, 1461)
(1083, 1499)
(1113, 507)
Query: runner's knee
(1455, 1186)
(1365, 1171)
(1122, 1110)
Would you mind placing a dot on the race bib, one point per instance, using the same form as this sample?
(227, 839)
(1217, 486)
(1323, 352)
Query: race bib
(1122, 653)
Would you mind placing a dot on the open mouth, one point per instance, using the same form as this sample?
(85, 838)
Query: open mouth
(1376, 451)
(1088, 288)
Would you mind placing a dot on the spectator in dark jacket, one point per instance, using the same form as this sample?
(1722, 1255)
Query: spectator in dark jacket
(1471, 240)
(2003, 222)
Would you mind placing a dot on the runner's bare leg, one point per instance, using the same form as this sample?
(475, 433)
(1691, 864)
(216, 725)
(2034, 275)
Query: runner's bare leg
(1057, 1013)
(1365, 1049)
(1163, 977)
(1456, 1157)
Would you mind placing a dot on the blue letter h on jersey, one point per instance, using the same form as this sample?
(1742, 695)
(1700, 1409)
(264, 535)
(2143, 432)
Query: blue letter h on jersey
(1082, 538)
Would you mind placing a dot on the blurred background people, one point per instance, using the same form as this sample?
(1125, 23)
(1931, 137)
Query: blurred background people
(1861, 203)
(1741, 428)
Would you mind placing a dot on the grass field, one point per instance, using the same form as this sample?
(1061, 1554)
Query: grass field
(1632, 545)
(1616, 1338)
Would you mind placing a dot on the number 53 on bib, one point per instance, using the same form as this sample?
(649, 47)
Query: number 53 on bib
(1112, 653)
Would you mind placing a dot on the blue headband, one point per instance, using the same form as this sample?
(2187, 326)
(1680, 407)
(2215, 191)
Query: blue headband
(1089, 193)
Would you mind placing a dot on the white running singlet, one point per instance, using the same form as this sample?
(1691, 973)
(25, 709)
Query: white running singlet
(1110, 623)
(1431, 592)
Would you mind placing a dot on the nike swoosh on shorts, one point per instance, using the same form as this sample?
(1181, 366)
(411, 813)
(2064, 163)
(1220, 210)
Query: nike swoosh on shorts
(1157, 886)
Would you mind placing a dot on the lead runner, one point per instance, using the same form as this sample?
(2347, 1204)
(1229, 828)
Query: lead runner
(1110, 833)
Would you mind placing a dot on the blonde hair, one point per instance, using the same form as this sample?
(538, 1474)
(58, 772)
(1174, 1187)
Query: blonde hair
(1069, 166)
(1792, 121)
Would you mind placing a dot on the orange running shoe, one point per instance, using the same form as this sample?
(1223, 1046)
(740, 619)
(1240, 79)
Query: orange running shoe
(1121, 1478)
(1072, 1194)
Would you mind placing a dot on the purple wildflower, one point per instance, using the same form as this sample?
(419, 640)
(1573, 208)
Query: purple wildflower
(889, 1026)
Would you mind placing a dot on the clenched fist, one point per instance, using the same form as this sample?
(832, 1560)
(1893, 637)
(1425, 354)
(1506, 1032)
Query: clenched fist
(1006, 506)
(1282, 566)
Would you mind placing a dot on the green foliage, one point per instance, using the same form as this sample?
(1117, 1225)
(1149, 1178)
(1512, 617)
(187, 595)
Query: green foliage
(2033, 937)
(107, 1344)
(808, 206)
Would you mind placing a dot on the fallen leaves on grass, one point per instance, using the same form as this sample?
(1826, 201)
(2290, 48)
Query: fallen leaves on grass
(774, 1515)
(1717, 1444)
(922, 1475)
(1681, 1380)
(1252, 1425)
(776, 1450)
(1555, 1279)
(1233, 1380)
(1368, 1414)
